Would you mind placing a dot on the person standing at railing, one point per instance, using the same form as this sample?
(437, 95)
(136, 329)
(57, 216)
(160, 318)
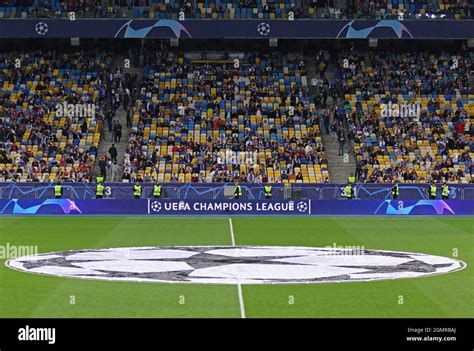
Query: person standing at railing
(58, 190)
(433, 191)
(157, 190)
(100, 188)
(237, 191)
(268, 191)
(349, 192)
(137, 191)
(395, 191)
(445, 191)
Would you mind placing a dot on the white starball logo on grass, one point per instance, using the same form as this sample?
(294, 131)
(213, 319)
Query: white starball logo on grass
(156, 206)
(41, 28)
(235, 265)
(263, 29)
(302, 206)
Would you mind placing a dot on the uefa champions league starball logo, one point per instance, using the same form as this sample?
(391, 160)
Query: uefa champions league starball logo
(41, 28)
(134, 29)
(356, 29)
(302, 206)
(235, 265)
(155, 206)
(263, 29)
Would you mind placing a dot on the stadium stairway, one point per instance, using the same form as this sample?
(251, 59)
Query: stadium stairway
(339, 167)
(121, 116)
(106, 143)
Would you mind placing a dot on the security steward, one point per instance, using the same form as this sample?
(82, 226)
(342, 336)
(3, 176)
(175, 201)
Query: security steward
(351, 179)
(58, 190)
(268, 191)
(157, 190)
(395, 191)
(137, 191)
(349, 192)
(433, 191)
(100, 188)
(237, 191)
(445, 191)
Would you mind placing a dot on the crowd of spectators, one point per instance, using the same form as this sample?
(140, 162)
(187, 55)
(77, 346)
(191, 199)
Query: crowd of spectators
(194, 113)
(220, 116)
(241, 9)
(434, 143)
(37, 142)
(431, 149)
(417, 74)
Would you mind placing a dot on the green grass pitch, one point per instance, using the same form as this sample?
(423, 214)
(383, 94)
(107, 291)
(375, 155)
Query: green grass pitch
(448, 295)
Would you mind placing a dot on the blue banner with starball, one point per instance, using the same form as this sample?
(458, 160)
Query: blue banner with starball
(234, 29)
(233, 207)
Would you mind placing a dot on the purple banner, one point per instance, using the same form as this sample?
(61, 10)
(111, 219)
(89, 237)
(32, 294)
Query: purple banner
(233, 207)
(221, 29)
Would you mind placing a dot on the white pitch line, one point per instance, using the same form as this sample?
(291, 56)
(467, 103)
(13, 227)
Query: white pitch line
(231, 231)
(239, 286)
(241, 301)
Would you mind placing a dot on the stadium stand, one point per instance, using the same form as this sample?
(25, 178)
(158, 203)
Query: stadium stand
(239, 9)
(196, 110)
(200, 118)
(433, 91)
(37, 143)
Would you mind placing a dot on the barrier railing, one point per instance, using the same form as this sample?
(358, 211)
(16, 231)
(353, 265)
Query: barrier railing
(215, 191)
